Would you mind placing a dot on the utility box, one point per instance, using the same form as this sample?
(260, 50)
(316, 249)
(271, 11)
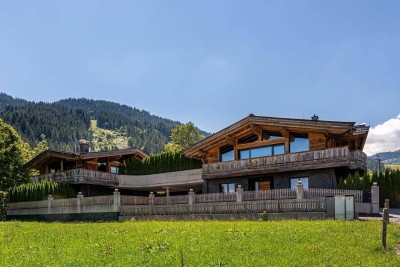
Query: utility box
(340, 207)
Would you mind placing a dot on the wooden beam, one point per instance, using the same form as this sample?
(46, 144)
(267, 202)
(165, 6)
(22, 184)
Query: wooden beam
(230, 140)
(284, 132)
(256, 130)
(202, 152)
(262, 143)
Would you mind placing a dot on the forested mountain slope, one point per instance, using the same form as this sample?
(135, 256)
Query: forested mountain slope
(66, 121)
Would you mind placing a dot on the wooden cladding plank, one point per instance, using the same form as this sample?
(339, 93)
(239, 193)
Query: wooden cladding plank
(262, 143)
(317, 141)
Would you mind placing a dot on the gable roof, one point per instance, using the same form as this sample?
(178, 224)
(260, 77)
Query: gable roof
(50, 153)
(274, 123)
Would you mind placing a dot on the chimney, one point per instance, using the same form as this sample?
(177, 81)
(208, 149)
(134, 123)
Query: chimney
(84, 146)
(315, 118)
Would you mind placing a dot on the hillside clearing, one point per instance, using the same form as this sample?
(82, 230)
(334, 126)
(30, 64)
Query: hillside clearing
(202, 243)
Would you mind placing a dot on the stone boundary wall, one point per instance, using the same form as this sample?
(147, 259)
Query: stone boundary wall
(224, 217)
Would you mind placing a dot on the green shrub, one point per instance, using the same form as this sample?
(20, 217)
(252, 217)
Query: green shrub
(40, 191)
(388, 182)
(3, 203)
(160, 163)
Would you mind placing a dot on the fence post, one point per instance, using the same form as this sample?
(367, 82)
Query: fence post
(191, 197)
(79, 202)
(299, 190)
(375, 198)
(239, 194)
(116, 200)
(151, 198)
(49, 202)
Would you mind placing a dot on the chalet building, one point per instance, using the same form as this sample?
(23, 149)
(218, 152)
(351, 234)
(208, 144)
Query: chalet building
(257, 153)
(91, 172)
(261, 153)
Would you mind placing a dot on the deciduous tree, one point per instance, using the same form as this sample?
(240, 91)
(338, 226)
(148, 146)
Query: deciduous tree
(183, 136)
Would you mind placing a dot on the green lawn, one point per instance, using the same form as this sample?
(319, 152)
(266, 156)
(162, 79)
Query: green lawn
(200, 243)
(393, 166)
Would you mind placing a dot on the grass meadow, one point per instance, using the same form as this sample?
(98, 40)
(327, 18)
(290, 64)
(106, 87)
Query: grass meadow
(393, 166)
(198, 243)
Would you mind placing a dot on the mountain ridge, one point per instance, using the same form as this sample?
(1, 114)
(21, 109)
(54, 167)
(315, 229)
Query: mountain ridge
(65, 121)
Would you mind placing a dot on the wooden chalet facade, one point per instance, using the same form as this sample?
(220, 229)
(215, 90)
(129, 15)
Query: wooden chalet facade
(94, 173)
(261, 153)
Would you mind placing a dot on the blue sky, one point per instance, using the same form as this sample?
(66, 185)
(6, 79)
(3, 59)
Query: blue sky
(210, 62)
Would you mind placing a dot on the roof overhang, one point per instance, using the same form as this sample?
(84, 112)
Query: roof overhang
(48, 155)
(249, 123)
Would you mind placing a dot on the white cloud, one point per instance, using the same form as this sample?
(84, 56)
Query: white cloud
(384, 137)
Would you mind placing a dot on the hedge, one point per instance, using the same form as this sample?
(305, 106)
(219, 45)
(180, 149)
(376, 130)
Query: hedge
(160, 163)
(40, 191)
(3, 203)
(389, 185)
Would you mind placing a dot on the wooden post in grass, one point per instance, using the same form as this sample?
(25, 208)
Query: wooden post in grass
(387, 206)
(385, 220)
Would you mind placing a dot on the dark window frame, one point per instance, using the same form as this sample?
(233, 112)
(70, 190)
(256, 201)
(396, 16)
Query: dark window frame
(272, 150)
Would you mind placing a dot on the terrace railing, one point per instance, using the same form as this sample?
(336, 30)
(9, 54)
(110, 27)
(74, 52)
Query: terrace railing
(78, 176)
(333, 157)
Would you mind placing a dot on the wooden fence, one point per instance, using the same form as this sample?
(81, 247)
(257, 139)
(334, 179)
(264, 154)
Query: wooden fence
(215, 197)
(317, 192)
(270, 201)
(287, 193)
(134, 200)
(240, 196)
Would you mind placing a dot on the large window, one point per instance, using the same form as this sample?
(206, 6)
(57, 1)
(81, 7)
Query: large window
(263, 151)
(227, 188)
(294, 181)
(299, 144)
(227, 153)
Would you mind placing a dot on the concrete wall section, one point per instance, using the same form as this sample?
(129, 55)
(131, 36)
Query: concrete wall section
(68, 217)
(181, 180)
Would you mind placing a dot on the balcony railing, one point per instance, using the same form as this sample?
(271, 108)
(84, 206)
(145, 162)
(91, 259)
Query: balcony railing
(80, 176)
(320, 159)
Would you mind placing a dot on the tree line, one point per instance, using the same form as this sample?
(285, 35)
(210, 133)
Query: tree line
(388, 182)
(160, 163)
(40, 191)
(67, 121)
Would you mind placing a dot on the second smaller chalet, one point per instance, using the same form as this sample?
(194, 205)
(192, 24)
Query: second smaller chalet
(56, 164)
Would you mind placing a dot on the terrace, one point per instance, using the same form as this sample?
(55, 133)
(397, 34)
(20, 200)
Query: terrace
(320, 159)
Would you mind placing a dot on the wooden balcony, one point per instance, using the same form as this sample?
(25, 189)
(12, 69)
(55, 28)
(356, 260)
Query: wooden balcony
(81, 176)
(310, 160)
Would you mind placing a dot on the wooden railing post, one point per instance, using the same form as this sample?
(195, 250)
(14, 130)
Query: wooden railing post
(151, 198)
(239, 194)
(375, 198)
(191, 197)
(49, 202)
(79, 202)
(116, 200)
(299, 190)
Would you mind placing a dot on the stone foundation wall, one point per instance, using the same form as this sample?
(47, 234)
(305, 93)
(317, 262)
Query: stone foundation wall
(316, 179)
